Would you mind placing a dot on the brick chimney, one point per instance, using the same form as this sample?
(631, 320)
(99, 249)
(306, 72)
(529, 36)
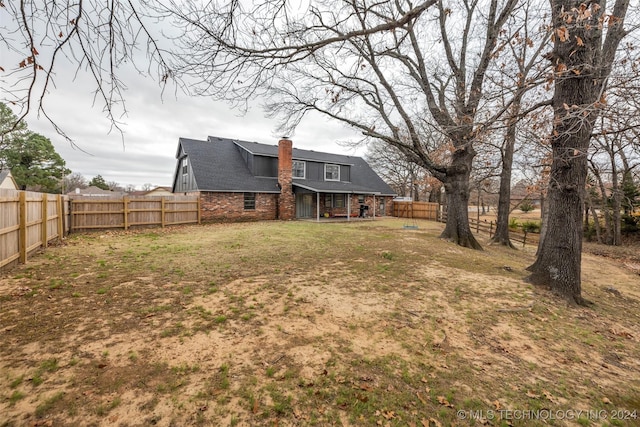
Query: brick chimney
(286, 200)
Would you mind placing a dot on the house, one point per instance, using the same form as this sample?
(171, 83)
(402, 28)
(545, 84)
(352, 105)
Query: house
(240, 180)
(523, 192)
(93, 191)
(7, 181)
(158, 191)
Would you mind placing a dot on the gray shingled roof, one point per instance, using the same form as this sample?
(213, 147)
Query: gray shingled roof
(217, 165)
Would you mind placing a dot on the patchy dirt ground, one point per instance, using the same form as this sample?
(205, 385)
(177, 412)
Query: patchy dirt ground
(310, 324)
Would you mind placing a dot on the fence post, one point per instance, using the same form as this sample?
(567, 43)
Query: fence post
(60, 209)
(125, 211)
(162, 207)
(23, 227)
(199, 211)
(45, 215)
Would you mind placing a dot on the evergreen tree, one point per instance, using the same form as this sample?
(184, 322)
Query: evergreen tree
(31, 157)
(98, 181)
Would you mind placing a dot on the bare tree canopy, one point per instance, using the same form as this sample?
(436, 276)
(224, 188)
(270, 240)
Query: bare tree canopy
(98, 38)
(393, 70)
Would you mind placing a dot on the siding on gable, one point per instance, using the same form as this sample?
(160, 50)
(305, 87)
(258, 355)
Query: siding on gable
(315, 172)
(185, 183)
(265, 166)
(345, 173)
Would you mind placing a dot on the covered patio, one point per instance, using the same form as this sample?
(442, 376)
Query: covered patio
(323, 201)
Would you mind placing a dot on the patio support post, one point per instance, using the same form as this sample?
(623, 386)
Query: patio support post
(348, 207)
(374, 206)
(318, 207)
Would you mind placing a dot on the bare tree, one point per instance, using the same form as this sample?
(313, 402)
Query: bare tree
(387, 69)
(75, 180)
(520, 74)
(614, 156)
(582, 58)
(393, 166)
(99, 38)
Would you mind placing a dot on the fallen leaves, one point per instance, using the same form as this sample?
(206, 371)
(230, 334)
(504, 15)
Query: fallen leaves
(444, 402)
(551, 398)
(420, 398)
(623, 334)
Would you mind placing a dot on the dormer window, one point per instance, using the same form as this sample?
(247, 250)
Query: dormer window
(299, 169)
(331, 172)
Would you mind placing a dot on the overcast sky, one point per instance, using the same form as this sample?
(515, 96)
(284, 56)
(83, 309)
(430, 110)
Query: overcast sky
(152, 128)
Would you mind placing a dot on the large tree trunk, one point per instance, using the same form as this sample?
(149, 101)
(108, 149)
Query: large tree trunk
(501, 236)
(456, 186)
(582, 63)
(504, 199)
(560, 253)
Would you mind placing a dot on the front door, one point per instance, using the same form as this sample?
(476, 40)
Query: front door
(304, 205)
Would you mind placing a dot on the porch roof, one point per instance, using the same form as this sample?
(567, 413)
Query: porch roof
(336, 187)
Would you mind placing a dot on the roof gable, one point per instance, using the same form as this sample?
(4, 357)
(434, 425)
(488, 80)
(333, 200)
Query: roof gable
(7, 180)
(217, 165)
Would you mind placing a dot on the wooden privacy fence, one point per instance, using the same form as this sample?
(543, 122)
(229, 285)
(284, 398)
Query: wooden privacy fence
(28, 221)
(420, 210)
(124, 212)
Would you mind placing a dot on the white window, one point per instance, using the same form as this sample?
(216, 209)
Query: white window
(331, 173)
(298, 169)
(185, 166)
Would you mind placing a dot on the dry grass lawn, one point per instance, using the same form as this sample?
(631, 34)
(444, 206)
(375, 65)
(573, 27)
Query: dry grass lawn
(298, 323)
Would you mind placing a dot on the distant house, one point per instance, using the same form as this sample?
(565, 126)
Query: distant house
(93, 191)
(7, 181)
(158, 191)
(240, 180)
(522, 192)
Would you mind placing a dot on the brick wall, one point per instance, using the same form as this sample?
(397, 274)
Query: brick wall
(287, 202)
(230, 207)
